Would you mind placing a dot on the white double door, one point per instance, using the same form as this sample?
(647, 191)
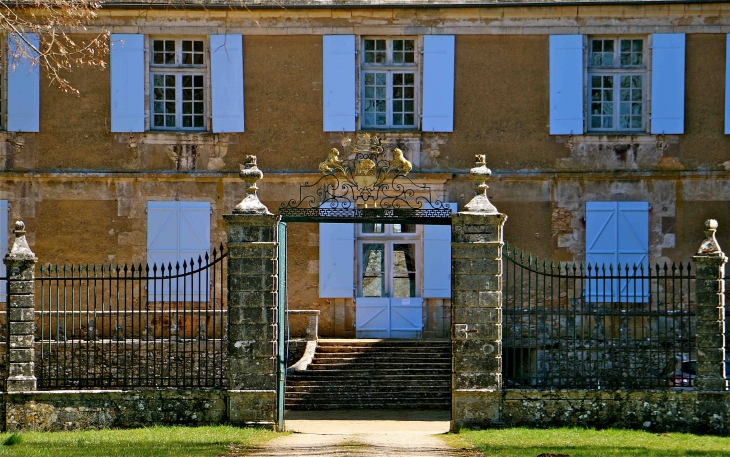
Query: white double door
(386, 305)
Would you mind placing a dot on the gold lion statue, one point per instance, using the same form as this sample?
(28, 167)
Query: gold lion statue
(332, 161)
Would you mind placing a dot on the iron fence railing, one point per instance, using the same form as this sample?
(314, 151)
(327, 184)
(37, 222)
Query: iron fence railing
(132, 326)
(596, 327)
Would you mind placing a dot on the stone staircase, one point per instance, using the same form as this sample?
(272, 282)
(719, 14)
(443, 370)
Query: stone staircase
(373, 374)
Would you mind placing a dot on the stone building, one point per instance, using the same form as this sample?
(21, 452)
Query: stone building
(604, 124)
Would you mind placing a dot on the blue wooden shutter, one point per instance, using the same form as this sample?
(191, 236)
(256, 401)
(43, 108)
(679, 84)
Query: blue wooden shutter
(617, 233)
(226, 60)
(633, 250)
(24, 89)
(566, 84)
(438, 83)
(437, 259)
(162, 233)
(601, 248)
(667, 83)
(336, 260)
(127, 82)
(339, 83)
(727, 86)
(194, 238)
(3, 248)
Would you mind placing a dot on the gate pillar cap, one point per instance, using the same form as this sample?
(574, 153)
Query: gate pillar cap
(251, 174)
(480, 174)
(20, 249)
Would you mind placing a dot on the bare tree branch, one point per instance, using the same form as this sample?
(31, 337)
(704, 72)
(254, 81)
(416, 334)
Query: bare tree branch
(55, 21)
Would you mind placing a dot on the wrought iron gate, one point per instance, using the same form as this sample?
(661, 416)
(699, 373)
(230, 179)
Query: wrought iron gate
(595, 326)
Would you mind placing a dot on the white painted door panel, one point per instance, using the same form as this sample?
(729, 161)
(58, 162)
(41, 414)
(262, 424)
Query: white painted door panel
(406, 317)
(372, 317)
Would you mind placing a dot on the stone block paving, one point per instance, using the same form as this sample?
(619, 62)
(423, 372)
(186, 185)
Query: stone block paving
(362, 433)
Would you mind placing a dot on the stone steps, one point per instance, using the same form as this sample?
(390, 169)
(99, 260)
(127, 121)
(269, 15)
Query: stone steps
(373, 374)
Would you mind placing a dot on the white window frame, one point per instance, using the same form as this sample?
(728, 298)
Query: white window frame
(178, 70)
(389, 238)
(390, 68)
(616, 70)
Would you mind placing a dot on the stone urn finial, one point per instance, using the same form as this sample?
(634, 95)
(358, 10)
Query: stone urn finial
(20, 249)
(480, 174)
(251, 174)
(709, 246)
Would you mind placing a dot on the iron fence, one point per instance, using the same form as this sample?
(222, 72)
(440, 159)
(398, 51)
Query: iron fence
(137, 326)
(597, 327)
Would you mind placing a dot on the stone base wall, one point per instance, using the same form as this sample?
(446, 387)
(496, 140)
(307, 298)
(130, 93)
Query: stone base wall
(656, 411)
(74, 410)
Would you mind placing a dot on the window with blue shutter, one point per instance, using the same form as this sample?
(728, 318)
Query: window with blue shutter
(127, 66)
(226, 73)
(4, 236)
(617, 236)
(178, 233)
(437, 259)
(339, 83)
(566, 84)
(24, 86)
(336, 260)
(667, 83)
(438, 83)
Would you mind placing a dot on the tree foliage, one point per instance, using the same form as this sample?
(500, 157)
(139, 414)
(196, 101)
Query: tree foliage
(59, 23)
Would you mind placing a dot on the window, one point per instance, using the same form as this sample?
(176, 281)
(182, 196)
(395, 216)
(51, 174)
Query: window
(389, 74)
(387, 254)
(178, 75)
(387, 85)
(617, 72)
(616, 84)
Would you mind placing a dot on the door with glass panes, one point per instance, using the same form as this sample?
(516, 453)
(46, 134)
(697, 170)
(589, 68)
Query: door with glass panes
(387, 303)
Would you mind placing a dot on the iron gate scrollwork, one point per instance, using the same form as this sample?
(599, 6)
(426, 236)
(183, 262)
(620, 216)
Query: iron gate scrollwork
(367, 186)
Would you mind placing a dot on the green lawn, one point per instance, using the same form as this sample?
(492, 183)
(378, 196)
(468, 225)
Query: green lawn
(142, 442)
(522, 442)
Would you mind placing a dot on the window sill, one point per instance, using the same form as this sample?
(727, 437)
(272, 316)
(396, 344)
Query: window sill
(618, 137)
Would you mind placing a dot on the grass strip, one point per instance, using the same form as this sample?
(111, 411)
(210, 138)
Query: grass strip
(578, 442)
(141, 442)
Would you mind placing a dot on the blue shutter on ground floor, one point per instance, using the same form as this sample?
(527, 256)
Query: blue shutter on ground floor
(3, 248)
(336, 260)
(339, 83)
(667, 83)
(178, 232)
(24, 86)
(437, 259)
(617, 235)
(226, 74)
(566, 84)
(127, 67)
(438, 83)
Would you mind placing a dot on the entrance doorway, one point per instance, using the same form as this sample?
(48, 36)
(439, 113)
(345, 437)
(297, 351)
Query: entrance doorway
(388, 303)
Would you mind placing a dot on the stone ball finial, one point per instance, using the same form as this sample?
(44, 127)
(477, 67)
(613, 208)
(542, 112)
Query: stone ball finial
(710, 246)
(19, 229)
(20, 249)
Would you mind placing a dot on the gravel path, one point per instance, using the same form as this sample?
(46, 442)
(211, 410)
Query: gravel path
(358, 433)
